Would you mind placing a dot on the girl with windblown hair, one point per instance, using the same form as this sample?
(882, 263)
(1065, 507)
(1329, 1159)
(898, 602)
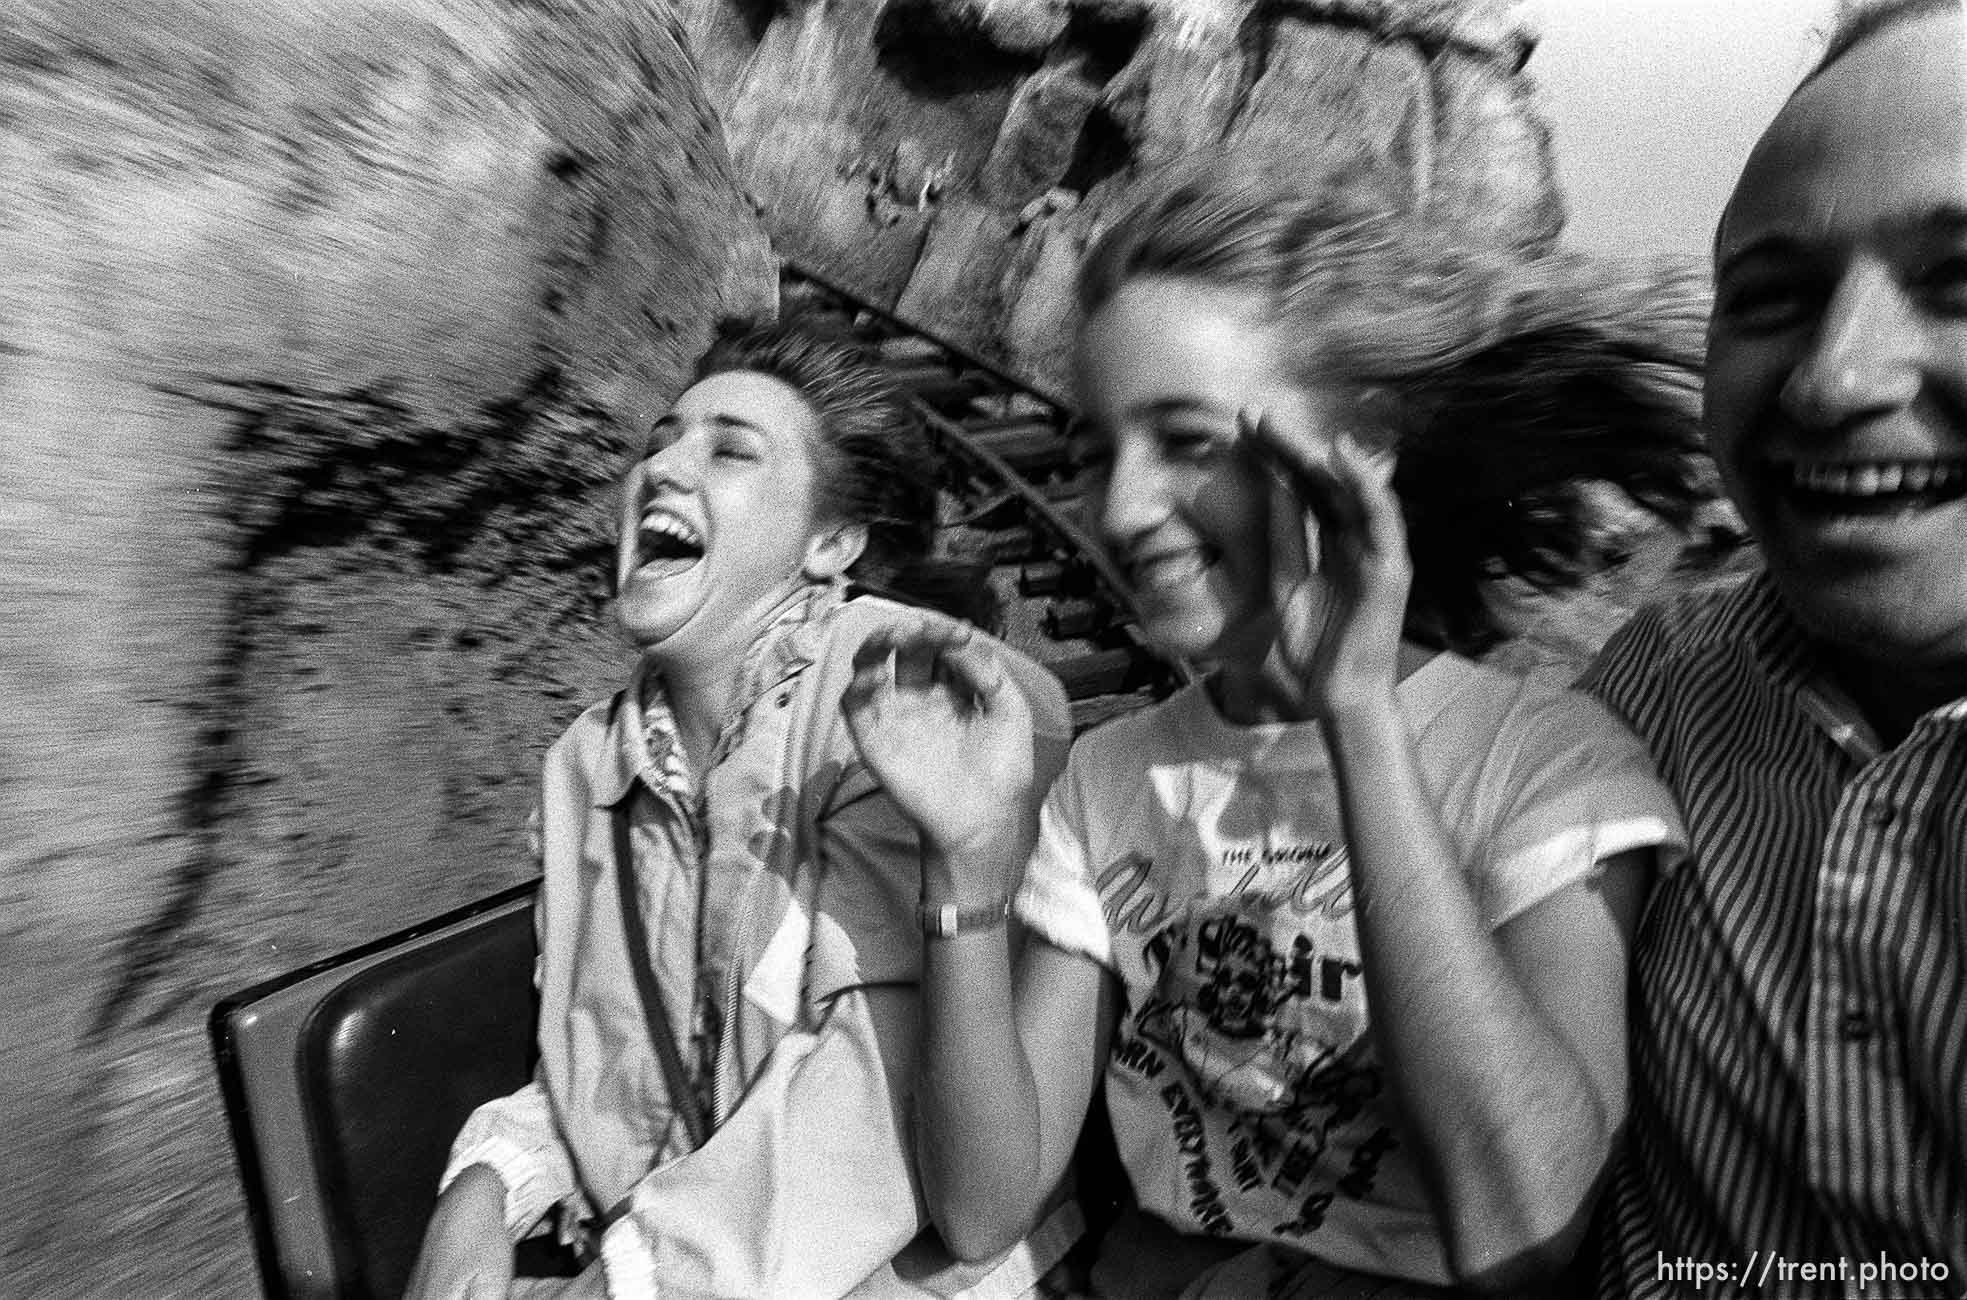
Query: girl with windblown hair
(1340, 928)
(728, 956)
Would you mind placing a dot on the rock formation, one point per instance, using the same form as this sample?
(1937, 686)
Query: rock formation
(950, 158)
(318, 326)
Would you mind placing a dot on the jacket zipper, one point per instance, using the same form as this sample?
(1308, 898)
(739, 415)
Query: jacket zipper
(725, 1065)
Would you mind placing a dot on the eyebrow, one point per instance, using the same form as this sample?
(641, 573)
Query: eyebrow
(722, 419)
(1766, 248)
(1180, 406)
(1942, 220)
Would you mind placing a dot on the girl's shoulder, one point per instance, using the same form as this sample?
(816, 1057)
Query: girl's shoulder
(1469, 709)
(1542, 781)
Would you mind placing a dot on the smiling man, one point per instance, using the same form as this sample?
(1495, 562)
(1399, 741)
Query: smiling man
(1800, 1014)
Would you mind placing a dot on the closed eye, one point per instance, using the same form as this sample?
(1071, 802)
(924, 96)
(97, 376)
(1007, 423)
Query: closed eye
(1942, 284)
(737, 447)
(1768, 301)
(1194, 442)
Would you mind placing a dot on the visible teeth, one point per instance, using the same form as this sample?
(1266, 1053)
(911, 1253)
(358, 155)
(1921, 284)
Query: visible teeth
(1876, 478)
(669, 525)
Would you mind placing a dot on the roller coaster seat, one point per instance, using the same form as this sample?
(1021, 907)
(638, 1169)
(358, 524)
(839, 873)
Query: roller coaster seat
(345, 1082)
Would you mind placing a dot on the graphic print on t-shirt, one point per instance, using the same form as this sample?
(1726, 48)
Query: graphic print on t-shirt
(1205, 864)
(1243, 1015)
(1255, 996)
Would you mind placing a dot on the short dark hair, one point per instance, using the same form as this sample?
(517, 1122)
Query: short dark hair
(1506, 382)
(875, 463)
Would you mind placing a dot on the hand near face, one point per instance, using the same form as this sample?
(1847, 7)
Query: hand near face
(940, 722)
(1339, 565)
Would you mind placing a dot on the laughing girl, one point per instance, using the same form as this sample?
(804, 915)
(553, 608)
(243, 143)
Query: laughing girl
(1340, 929)
(729, 947)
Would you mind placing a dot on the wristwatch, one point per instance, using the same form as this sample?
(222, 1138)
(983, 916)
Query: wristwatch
(946, 920)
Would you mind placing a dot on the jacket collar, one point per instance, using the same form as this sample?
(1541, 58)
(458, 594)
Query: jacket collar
(641, 737)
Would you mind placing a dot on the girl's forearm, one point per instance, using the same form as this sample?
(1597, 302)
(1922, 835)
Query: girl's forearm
(1509, 1121)
(979, 1139)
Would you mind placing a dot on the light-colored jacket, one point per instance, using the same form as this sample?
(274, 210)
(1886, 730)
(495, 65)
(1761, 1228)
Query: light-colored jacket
(779, 897)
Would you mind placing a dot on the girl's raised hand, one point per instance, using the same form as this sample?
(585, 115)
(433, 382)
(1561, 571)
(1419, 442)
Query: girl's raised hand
(1339, 564)
(939, 721)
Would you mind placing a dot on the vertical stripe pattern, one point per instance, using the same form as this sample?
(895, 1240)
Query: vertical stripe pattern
(1799, 1019)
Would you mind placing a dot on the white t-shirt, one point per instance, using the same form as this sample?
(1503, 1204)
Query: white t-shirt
(1205, 864)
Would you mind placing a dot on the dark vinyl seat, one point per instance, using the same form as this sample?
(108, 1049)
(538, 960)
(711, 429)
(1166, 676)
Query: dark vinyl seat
(345, 1082)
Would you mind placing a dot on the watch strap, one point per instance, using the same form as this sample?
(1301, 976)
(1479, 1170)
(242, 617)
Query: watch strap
(947, 920)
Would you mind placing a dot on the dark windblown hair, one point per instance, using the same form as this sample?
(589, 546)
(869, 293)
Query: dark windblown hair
(875, 463)
(1508, 385)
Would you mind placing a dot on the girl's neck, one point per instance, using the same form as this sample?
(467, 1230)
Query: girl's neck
(702, 698)
(1249, 693)
(702, 679)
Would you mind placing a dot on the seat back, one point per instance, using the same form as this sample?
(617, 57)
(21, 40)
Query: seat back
(346, 1081)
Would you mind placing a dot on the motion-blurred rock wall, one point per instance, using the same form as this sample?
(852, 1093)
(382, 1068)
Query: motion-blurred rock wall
(318, 325)
(950, 158)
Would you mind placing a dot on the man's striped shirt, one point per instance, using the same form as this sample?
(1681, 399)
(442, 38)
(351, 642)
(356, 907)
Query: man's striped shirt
(1799, 1015)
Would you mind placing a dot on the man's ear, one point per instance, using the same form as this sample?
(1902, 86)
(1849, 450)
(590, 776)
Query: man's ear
(833, 550)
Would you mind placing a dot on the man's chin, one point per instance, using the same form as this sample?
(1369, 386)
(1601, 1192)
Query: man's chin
(1893, 621)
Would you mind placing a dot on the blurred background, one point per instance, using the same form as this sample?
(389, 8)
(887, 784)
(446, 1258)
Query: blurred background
(322, 325)
(1653, 105)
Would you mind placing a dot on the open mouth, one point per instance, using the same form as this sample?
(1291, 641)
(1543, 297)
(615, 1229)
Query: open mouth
(1874, 487)
(667, 540)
